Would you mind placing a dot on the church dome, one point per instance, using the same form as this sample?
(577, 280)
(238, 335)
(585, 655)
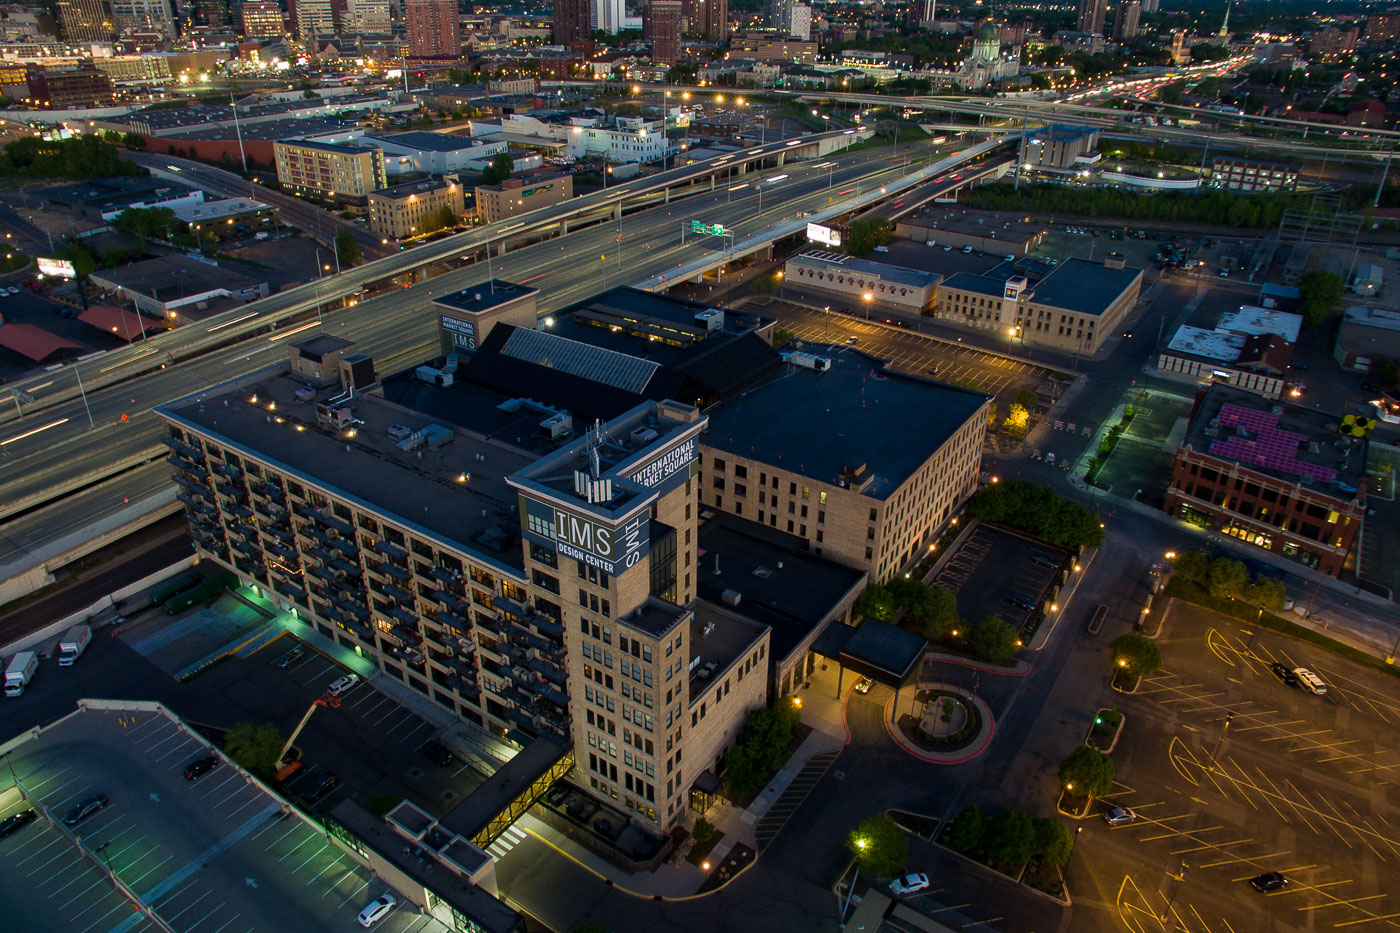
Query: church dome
(988, 32)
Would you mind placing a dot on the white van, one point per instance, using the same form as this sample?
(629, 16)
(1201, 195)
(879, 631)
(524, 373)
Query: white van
(1310, 681)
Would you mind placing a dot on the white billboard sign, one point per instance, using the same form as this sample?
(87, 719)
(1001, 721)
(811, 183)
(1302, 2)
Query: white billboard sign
(820, 233)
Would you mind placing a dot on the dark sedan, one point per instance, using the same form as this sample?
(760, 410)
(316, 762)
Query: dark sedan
(200, 767)
(85, 809)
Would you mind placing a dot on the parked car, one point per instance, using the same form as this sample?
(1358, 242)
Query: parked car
(863, 685)
(437, 753)
(15, 822)
(1284, 675)
(1269, 881)
(322, 786)
(343, 685)
(85, 809)
(1309, 681)
(377, 909)
(909, 884)
(290, 658)
(1119, 816)
(200, 767)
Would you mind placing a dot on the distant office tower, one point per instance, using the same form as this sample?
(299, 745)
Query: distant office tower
(712, 19)
(261, 18)
(573, 21)
(433, 29)
(800, 25)
(780, 14)
(661, 25)
(314, 21)
(1151, 6)
(1091, 15)
(922, 12)
(144, 16)
(1126, 19)
(85, 21)
(212, 12)
(370, 17)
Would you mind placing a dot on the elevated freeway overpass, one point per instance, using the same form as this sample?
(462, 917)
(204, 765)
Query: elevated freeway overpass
(78, 456)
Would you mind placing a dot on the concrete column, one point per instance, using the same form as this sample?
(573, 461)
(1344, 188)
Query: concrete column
(563, 228)
(667, 198)
(782, 157)
(617, 211)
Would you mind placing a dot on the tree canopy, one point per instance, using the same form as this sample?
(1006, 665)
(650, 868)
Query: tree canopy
(1052, 842)
(81, 157)
(1010, 838)
(1087, 771)
(1319, 291)
(501, 167)
(1222, 208)
(1136, 655)
(968, 834)
(347, 248)
(1039, 511)
(761, 750)
(880, 847)
(255, 747)
(149, 223)
(994, 640)
(868, 234)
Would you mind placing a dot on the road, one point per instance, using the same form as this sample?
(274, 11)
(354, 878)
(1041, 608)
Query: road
(83, 442)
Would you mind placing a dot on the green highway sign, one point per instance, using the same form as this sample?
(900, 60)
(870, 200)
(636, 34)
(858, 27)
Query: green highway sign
(712, 229)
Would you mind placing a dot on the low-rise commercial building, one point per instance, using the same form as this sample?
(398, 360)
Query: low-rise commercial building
(1059, 148)
(1074, 306)
(868, 284)
(344, 174)
(166, 284)
(400, 210)
(68, 88)
(523, 193)
(994, 232)
(1276, 476)
(434, 153)
(1250, 349)
(1366, 336)
(768, 48)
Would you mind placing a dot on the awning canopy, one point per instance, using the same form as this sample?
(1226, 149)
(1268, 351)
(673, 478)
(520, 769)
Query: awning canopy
(33, 342)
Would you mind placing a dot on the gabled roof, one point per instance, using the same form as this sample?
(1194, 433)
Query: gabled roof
(118, 321)
(33, 342)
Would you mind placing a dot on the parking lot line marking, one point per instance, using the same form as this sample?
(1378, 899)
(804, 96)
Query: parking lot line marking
(142, 877)
(226, 923)
(349, 873)
(213, 787)
(122, 904)
(291, 829)
(63, 853)
(355, 893)
(171, 895)
(187, 908)
(295, 847)
(1349, 902)
(414, 731)
(191, 928)
(98, 880)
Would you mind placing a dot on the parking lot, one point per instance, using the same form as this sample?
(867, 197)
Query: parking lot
(995, 572)
(1232, 774)
(217, 853)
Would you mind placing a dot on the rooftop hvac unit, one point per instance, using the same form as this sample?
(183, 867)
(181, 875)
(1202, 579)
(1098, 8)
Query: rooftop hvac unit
(711, 319)
(732, 597)
(557, 425)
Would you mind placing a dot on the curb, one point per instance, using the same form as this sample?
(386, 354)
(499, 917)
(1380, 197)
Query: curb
(1065, 902)
(973, 750)
(1122, 724)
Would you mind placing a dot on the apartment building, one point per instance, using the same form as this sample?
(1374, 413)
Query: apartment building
(344, 174)
(261, 18)
(1276, 476)
(661, 26)
(541, 590)
(522, 193)
(399, 211)
(865, 466)
(433, 29)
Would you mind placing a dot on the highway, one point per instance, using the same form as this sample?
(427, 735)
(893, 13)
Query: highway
(59, 449)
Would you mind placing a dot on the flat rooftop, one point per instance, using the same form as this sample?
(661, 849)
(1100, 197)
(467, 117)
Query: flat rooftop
(1083, 286)
(284, 130)
(342, 148)
(1284, 441)
(1208, 344)
(422, 489)
(1013, 228)
(1364, 316)
(428, 142)
(219, 854)
(719, 636)
(899, 275)
(169, 277)
(778, 584)
(819, 424)
(1258, 322)
(515, 777)
(478, 298)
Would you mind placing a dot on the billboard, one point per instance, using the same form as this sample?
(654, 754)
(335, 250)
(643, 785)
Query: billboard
(820, 233)
(60, 267)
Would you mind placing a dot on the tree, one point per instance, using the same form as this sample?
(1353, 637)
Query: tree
(1192, 565)
(868, 234)
(1136, 655)
(254, 747)
(1226, 578)
(939, 613)
(501, 167)
(1039, 511)
(1051, 841)
(968, 834)
(134, 141)
(1385, 372)
(1017, 420)
(877, 602)
(703, 831)
(991, 415)
(762, 749)
(1087, 772)
(994, 641)
(347, 248)
(1319, 291)
(81, 157)
(1010, 835)
(146, 223)
(446, 217)
(1266, 593)
(1027, 398)
(881, 848)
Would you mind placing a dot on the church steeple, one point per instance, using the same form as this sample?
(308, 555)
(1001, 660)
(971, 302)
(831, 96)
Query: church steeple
(1225, 26)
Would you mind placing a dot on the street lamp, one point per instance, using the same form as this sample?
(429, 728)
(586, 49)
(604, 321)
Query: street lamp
(869, 297)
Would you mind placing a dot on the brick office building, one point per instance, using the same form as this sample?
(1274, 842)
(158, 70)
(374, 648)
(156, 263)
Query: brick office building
(1276, 476)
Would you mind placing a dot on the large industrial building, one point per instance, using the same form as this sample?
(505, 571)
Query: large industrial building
(516, 530)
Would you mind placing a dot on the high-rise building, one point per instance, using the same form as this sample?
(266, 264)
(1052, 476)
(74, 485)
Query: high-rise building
(661, 25)
(607, 15)
(85, 20)
(369, 17)
(800, 25)
(315, 21)
(1126, 19)
(1091, 16)
(212, 12)
(261, 18)
(433, 29)
(573, 21)
(710, 18)
(143, 16)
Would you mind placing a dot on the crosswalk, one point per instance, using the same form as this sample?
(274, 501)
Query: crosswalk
(506, 841)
